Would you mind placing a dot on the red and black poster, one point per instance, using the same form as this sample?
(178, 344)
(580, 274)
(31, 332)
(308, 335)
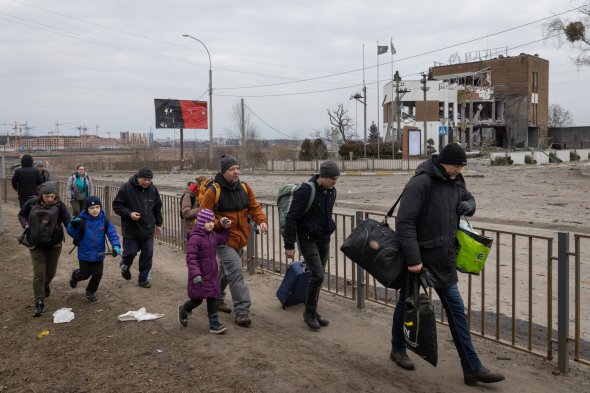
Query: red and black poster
(180, 113)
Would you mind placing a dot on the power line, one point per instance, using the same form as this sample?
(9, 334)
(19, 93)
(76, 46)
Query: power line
(268, 125)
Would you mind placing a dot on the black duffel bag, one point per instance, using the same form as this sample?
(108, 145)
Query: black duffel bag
(374, 246)
(420, 320)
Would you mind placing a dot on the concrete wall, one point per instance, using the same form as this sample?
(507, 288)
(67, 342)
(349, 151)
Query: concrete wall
(571, 137)
(542, 157)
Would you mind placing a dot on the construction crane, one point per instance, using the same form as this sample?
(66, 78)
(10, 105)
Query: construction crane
(25, 126)
(57, 125)
(82, 129)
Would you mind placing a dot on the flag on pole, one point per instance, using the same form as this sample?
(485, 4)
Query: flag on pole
(393, 52)
(381, 49)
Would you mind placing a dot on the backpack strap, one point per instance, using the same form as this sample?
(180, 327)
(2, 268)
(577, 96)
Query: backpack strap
(311, 197)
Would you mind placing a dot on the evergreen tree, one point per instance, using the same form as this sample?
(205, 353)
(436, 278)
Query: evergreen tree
(373, 133)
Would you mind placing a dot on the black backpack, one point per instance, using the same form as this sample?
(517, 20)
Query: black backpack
(193, 199)
(44, 227)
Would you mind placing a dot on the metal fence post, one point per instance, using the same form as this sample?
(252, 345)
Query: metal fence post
(2, 187)
(360, 272)
(107, 202)
(250, 249)
(563, 301)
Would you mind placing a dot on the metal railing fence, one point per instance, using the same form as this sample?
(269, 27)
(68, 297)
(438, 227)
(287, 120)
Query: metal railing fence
(512, 301)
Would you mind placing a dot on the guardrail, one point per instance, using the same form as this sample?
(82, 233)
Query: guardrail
(512, 302)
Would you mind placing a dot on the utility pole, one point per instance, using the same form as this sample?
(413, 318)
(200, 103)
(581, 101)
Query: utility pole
(425, 89)
(243, 130)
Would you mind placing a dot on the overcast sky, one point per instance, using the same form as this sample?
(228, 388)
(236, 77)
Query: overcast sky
(103, 62)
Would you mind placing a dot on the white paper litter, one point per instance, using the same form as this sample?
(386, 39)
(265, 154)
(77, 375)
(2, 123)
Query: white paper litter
(63, 315)
(139, 315)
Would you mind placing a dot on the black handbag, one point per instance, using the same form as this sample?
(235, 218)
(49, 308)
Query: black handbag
(374, 246)
(420, 320)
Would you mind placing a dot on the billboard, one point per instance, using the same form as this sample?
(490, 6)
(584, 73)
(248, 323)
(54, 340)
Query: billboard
(180, 113)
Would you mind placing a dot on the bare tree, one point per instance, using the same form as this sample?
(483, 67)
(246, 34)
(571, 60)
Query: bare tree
(559, 116)
(341, 122)
(574, 32)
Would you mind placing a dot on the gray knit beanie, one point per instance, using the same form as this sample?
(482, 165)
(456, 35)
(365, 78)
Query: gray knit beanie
(329, 169)
(227, 161)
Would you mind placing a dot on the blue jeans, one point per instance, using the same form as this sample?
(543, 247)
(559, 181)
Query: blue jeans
(453, 304)
(145, 247)
(315, 256)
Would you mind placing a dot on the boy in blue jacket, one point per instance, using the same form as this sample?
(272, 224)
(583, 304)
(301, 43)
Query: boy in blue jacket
(91, 244)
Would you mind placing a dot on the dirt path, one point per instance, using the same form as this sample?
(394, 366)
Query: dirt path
(97, 353)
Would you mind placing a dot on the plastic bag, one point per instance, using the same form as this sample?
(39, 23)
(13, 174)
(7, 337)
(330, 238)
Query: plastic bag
(472, 250)
(139, 315)
(63, 315)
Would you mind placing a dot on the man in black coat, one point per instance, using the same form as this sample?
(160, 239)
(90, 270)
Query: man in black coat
(139, 204)
(26, 179)
(312, 230)
(427, 221)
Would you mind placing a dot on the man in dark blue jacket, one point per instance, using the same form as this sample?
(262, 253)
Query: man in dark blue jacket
(312, 230)
(427, 221)
(26, 179)
(139, 204)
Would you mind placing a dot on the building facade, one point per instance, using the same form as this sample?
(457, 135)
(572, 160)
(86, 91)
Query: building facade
(501, 102)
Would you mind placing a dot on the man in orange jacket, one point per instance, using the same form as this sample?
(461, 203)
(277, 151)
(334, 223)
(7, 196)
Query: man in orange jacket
(237, 202)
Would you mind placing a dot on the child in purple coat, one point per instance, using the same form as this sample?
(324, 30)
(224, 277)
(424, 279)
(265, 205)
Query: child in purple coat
(201, 261)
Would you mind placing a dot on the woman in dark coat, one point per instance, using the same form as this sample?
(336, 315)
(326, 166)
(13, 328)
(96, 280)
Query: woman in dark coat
(201, 260)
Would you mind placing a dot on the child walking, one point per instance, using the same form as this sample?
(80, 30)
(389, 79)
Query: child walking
(201, 261)
(89, 232)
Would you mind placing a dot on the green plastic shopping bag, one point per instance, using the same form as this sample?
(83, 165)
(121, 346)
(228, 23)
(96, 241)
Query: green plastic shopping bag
(472, 250)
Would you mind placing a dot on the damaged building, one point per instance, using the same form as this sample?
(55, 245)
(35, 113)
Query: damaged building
(500, 102)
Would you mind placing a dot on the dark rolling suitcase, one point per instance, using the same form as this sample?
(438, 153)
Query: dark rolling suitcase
(294, 286)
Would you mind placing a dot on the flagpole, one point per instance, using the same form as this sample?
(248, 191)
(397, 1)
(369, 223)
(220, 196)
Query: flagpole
(391, 106)
(378, 102)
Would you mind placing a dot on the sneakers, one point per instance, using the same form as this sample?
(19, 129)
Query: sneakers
(125, 272)
(92, 298)
(402, 360)
(73, 281)
(182, 315)
(145, 284)
(482, 375)
(47, 290)
(243, 320)
(216, 327)
(323, 322)
(310, 317)
(221, 306)
(38, 310)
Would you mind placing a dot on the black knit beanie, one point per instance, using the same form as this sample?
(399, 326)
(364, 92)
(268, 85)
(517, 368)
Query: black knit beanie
(145, 173)
(227, 161)
(329, 169)
(452, 154)
(26, 160)
(92, 201)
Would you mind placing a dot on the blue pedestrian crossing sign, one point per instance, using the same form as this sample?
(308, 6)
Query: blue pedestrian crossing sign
(442, 130)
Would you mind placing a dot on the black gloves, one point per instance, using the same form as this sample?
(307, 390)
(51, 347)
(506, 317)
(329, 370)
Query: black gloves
(465, 208)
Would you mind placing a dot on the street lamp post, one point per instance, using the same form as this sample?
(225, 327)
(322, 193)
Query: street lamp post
(210, 98)
(363, 100)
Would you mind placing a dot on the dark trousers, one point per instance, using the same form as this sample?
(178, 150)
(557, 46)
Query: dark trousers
(77, 206)
(44, 267)
(315, 256)
(92, 269)
(145, 247)
(191, 304)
